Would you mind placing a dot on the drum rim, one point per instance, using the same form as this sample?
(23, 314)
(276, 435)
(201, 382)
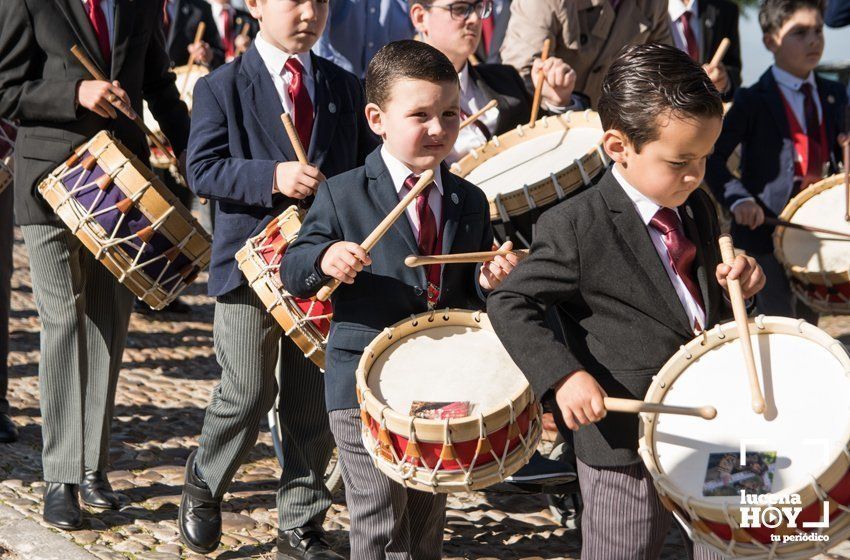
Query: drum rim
(461, 429)
(839, 465)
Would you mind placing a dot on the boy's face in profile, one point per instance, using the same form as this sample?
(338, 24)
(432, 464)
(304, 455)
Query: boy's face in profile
(293, 26)
(668, 169)
(419, 121)
(797, 46)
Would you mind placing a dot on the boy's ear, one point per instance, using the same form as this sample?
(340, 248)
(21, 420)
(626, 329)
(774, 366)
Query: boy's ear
(374, 116)
(616, 145)
(253, 8)
(770, 42)
(417, 17)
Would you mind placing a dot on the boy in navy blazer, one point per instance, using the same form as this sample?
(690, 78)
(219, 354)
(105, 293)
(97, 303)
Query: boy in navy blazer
(787, 125)
(413, 104)
(241, 158)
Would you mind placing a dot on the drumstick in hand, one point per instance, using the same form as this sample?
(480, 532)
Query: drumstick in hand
(777, 222)
(739, 309)
(293, 139)
(720, 52)
(635, 406)
(424, 180)
(243, 33)
(199, 33)
(461, 258)
(538, 90)
(477, 114)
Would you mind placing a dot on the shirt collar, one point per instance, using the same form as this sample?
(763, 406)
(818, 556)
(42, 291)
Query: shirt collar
(275, 58)
(791, 81)
(677, 7)
(645, 207)
(463, 77)
(399, 171)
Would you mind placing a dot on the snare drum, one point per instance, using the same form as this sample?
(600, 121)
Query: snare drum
(526, 170)
(802, 439)
(131, 222)
(8, 135)
(307, 322)
(818, 264)
(436, 362)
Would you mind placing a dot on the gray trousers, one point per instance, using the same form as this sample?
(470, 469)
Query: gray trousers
(84, 314)
(388, 521)
(247, 341)
(623, 519)
(7, 241)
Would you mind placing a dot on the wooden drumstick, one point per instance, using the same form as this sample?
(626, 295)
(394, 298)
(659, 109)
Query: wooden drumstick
(473, 60)
(739, 309)
(847, 176)
(199, 33)
(461, 258)
(424, 180)
(635, 406)
(477, 114)
(538, 90)
(724, 45)
(777, 222)
(294, 139)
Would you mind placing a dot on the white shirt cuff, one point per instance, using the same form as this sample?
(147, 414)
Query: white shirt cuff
(741, 201)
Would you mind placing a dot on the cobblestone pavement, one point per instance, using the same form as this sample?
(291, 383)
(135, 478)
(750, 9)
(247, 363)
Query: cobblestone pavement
(169, 371)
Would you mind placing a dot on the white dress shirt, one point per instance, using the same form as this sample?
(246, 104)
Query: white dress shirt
(472, 99)
(676, 8)
(790, 86)
(108, 7)
(647, 209)
(274, 59)
(217, 9)
(398, 173)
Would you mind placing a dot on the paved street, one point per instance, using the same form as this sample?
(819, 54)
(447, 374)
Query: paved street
(169, 371)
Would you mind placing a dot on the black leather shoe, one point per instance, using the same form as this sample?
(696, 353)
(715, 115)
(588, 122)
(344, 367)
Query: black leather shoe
(177, 306)
(305, 543)
(62, 505)
(95, 491)
(199, 519)
(8, 431)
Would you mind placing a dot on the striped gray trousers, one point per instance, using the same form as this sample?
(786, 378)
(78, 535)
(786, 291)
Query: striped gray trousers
(623, 519)
(388, 521)
(84, 314)
(247, 341)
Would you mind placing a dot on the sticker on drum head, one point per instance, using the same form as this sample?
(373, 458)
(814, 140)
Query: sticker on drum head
(725, 476)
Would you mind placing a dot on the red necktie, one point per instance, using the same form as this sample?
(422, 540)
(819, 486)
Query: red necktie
(98, 22)
(487, 27)
(427, 240)
(814, 163)
(227, 38)
(690, 38)
(680, 250)
(303, 107)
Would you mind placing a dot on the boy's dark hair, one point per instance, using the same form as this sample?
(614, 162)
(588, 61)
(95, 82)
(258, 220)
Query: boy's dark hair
(646, 81)
(774, 13)
(400, 60)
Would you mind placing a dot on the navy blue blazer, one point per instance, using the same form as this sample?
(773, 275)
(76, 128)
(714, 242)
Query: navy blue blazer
(757, 121)
(348, 207)
(237, 139)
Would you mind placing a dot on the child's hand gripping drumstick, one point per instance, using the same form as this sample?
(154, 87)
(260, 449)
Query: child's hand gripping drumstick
(635, 406)
(360, 252)
(199, 33)
(296, 179)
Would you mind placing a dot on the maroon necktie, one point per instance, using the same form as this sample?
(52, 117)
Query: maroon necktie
(680, 250)
(690, 38)
(98, 22)
(300, 101)
(814, 162)
(427, 239)
(487, 27)
(227, 38)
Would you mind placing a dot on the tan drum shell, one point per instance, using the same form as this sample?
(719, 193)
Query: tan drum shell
(131, 176)
(275, 299)
(461, 429)
(669, 494)
(804, 275)
(560, 183)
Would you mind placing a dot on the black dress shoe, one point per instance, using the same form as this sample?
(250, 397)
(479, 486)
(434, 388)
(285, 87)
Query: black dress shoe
(62, 505)
(177, 306)
(95, 491)
(199, 519)
(8, 431)
(305, 543)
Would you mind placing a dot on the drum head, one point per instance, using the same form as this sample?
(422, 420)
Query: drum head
(534, 160)
(806, 422)
(819, 251)
(449, 363)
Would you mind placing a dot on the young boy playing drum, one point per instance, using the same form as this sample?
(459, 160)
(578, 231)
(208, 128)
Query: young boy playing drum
(412, 94)
(633, 265)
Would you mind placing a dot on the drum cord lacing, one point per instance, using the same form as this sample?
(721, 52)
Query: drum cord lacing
(585, 178)
(559, 191)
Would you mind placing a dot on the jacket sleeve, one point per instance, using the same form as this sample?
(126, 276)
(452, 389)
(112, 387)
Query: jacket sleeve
(660, 25)
(212, 172)
(837, 13)
(299, 270)
(529, 25)
(25, 92)
(548, 276)
(727, 188)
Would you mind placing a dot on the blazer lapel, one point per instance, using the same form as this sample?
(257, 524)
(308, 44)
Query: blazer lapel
(265, 103)
(490, 93)
(708, 19)
(773, 99)
(75, 13)
(635, 235)
(326, 112)
(125, 16)
(382, 188)
(692, 230)
(453, 197)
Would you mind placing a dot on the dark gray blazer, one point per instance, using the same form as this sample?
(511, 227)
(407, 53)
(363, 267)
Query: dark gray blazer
(348, 207)
(593, 258)
(39, 75)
